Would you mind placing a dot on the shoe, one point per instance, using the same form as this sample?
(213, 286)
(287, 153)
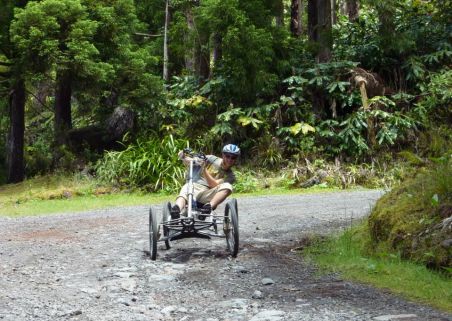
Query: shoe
(175, 212)
(206, 209)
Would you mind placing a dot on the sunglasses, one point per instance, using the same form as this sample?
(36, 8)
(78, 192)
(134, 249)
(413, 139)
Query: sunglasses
(230, 156)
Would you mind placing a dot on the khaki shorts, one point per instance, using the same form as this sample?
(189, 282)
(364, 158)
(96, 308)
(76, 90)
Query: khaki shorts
(202, 193)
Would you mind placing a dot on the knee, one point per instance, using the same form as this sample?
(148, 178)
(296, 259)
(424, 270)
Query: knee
(226, 188)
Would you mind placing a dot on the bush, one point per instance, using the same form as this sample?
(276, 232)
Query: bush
(152, 164)
(246, 182)
(414, 219)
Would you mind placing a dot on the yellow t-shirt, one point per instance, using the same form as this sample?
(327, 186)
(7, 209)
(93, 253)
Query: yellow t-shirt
(214, 168)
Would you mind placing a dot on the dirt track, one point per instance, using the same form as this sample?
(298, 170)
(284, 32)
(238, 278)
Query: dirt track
(94, 266)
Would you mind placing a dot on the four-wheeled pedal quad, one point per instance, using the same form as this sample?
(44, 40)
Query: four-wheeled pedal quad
(193, 223)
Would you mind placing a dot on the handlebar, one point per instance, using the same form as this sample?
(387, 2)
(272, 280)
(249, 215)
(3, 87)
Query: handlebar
(191, 153)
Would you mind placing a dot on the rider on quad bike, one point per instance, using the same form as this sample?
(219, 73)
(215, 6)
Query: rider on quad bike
(213, 179)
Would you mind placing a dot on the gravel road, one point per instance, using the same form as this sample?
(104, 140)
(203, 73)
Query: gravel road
(95, 266)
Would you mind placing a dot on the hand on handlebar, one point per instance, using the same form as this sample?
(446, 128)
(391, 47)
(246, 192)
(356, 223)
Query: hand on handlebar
(187, 154)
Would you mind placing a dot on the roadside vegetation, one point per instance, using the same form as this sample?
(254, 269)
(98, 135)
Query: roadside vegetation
(348, 254)
(68, 193)
(406, 243)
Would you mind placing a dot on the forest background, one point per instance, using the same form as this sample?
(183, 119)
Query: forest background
(319, 92)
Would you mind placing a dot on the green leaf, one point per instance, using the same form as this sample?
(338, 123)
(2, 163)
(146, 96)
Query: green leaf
(435, 200)
(245, 121)
(303, 127)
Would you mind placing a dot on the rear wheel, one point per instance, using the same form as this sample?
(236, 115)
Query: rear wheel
(166, 218)
(153, 233)
(231, 227)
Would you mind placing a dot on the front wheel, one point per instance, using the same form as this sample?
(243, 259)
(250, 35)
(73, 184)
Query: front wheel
(153, 233)
(231, 227)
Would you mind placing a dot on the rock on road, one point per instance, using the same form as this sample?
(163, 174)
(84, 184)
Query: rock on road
(95, 266)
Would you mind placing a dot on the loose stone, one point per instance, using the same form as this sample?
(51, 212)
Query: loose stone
(267, 281)
(257, 295)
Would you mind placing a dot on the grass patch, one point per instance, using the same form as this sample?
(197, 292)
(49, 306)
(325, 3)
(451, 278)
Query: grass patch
(63, 193)
(346, 254)
(81, 203)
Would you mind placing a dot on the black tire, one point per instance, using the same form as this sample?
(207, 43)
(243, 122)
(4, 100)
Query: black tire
(153, 234)
(166, 218)
(233, 201)
(231, 227)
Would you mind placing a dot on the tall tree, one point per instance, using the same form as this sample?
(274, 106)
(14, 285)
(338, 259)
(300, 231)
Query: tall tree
(319, 28)
(351, 9)
(323, 30)
(320, 34)
(333, 5)
(15, 144)
(15, 85)
(279, 10)
(63, 110)
(88, 46)
(62, 44)
(190, 43)
(165, 42)
(296, 14)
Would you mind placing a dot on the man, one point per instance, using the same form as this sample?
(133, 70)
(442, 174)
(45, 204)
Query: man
(212, 182)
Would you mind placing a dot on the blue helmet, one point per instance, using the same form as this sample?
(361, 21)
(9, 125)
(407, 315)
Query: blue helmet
(231, 149)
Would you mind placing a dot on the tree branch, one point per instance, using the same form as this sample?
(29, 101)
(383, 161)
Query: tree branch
(7, 64)
(148, 35)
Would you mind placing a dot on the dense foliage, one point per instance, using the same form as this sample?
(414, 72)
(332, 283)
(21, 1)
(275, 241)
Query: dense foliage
(238, 72)
(150, 163)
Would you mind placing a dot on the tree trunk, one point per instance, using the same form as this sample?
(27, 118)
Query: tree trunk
(15, 145)
(319, 28)
(165, 43)
(352, 10)
(63, 117)
(324, 31)
(320, 32)
(217, 52)
(312, 20)
(189, 55)
(204, 65)
(333, 12)
(296, 10)
(202, 57)
(279, 17)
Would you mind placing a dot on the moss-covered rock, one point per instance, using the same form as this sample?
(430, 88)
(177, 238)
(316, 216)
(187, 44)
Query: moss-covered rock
(415, 219)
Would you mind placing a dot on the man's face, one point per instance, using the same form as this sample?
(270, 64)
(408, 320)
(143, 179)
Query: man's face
(228, 160)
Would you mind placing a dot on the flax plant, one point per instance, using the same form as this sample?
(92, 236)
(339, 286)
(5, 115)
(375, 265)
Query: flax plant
(149, 163)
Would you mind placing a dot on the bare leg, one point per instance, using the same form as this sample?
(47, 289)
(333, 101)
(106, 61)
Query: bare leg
(180, 201)
(219, 197)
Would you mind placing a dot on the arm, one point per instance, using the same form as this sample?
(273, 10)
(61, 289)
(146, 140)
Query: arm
(210, 179)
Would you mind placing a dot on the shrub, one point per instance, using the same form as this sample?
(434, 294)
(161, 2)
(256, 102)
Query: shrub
(246, 182)
(413, 218)
(149, 163)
